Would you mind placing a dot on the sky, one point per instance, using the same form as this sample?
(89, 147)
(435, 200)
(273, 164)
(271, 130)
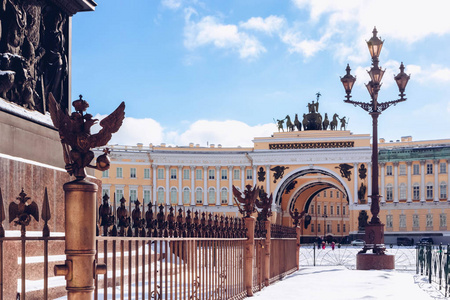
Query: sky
(221, 72)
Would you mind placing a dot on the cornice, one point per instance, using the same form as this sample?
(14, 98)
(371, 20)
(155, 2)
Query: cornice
(71, 7)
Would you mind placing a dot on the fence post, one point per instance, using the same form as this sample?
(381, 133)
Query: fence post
(80, 266)
(267, 226)
(249, 250)
(297, 250)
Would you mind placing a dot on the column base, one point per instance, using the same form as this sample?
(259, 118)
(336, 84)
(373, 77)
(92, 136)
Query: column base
(371, 261)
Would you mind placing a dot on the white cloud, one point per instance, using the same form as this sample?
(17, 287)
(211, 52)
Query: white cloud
(304, 46)
(172, 4)
(269, 25)
(209, 31)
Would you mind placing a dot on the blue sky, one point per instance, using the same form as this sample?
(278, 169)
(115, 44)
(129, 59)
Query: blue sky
(221, 71)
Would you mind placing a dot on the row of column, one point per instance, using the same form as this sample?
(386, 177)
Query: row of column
(193, 187)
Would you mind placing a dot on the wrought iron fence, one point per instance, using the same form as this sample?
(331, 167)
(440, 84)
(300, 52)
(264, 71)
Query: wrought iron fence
(434, 262)
(283, 258)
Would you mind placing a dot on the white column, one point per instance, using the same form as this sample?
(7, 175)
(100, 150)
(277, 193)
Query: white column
(268, 180)
(219, 177)
(180, 183)
(383, 198)
(409, 199)
(192, 185)
(395, 181)
(369, 182)
(167, 185)
(436, 180)
(230, 185)
(205, 185)
(254, 175)
(422, 180)
(154, 167)
(355, 183)
(242, 178)
(448, 180)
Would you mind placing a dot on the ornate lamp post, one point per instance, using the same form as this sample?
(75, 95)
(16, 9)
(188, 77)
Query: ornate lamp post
(375, 231)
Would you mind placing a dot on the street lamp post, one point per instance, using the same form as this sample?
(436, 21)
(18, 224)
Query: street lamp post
(374, 234)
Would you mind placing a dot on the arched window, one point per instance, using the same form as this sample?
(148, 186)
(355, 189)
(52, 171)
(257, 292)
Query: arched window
(402, 191)
(416, 191)
(443, 190)
(186, 195)
(389, 192)
(429, 190)
(224, 196)
(173, 195)
(199, 196)
(211, 195)
(160, 195)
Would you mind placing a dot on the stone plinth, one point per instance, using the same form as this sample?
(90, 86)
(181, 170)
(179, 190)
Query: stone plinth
(370, 261)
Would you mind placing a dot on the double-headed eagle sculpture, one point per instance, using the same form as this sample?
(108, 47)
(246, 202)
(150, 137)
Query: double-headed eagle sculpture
(76, 137)
(246, 204)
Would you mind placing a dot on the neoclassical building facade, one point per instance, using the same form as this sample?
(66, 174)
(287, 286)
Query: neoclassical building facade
(326, 174)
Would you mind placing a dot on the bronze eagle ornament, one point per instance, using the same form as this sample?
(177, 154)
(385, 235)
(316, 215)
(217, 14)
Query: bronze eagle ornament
(23, 211)
(76, 137)
(246, 204)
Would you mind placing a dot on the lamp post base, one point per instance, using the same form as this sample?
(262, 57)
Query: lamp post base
(371, 261)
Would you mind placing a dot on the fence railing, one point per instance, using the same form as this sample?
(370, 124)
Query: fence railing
(434, 262)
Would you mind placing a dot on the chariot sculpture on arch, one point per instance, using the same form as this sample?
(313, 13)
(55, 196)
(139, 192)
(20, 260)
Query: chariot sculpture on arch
(76, 137)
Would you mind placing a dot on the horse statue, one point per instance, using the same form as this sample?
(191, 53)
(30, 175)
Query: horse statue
(289, 124)
(334, 123)
(297, 123)
(325, 123)
(305, 122)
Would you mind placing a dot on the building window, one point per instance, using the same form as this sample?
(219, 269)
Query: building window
(442, 167)
(119, 172)
(324, 209)
(324, 193)
(318, 227)
(105, 174)
(343, 228)
(211, 174)
(198, 196)
(318, 209)
(198, 174)
(146, 173)
(338, 228)
(429, 168)
(312, 227)
(173, 195)
(173, 173)
(429, 190)
(443, 190)
(443, 220)
(160, 173)
(337, 194)
(133, 195)
(389, 170)
(343, 212)
(416, 221)
(328, 228)
(236, 174)
(402, 221)
(160, 195)
(249, 174)
(146, 196)
(389, 192)
(402, 169)
(337, 210)
(402, 191)
(224, 174)
(429, 220)
(132, 172)
(331, 210)
(186, 195)
(331, 194)
(388, 221)
(105, 191)
(211, 196)
(119, 196)
(312, 209)
(224, 196)
(416, 191)
(416, 170)
(186, 174)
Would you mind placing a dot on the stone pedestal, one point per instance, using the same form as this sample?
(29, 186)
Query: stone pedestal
(371, 261)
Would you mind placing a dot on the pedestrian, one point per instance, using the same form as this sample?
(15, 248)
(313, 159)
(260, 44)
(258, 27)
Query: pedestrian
(323, 244)
(332, 245)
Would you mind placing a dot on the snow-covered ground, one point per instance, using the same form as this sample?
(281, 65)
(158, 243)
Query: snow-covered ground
(338, 282)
